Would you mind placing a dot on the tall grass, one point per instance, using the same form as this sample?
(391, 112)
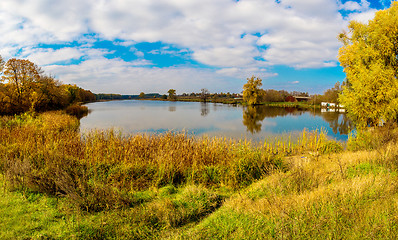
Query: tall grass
(350, 195)
(101, 169)
(173, 185)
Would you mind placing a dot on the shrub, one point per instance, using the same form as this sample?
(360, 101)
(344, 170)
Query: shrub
(331, 147)
(77, 110)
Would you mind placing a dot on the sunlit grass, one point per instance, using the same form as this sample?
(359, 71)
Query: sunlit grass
(30, 215)
(311, 202)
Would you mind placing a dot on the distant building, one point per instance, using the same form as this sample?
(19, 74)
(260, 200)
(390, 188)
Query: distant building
(302, 99)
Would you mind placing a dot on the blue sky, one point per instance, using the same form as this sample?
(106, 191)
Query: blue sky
(129, 46)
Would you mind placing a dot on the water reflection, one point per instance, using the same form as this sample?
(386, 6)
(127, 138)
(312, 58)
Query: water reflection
(254, 115)
(222, 120)
(338, 122)
(252, 118)
(204, 109)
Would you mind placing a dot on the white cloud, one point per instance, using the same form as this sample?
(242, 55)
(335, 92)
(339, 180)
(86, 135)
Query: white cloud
(238, 37)
(45, 56)
(63, 19)
(118, 76)
(350, 6)
(211, 29)
(355, 6)
(361, 11)
(127, 43)
(226, 56)
(363, 17)
(243, 73)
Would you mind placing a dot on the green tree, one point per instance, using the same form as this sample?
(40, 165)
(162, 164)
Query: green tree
(252, 93)
(370, 60)
(332, 94)
(172, 94)
(142, 95)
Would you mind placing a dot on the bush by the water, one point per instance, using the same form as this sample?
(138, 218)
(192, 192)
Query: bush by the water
(77, 110)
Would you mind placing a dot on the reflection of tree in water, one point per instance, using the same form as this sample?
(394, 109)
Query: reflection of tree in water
(338, 122)
(172, 108)
(253, 115)
(204, 108)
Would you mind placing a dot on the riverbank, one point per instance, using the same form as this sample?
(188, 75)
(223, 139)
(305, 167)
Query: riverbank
(102, 185)
(302, 105)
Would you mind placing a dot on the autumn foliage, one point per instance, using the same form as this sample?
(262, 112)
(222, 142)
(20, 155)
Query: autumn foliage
(24, 87)
(370, 60)
(252, 93)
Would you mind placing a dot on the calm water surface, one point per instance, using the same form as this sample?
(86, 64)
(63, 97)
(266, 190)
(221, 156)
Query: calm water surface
(255, 123)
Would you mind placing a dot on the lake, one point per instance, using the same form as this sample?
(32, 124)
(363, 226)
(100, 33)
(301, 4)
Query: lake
(212, 119)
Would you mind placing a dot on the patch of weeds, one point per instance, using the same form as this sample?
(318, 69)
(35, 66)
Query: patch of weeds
(167, 190)
(331, 147)
(364, 169)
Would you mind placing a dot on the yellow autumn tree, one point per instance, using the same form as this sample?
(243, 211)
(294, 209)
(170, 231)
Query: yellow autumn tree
(21, 77)
(172, 94)
(370, 60)
(252, 93)
(24, 87)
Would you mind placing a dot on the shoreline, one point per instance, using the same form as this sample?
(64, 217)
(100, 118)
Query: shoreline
(227, 101)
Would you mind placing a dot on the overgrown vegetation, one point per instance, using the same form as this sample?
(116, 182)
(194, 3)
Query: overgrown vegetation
(157, 183)
(105, 185)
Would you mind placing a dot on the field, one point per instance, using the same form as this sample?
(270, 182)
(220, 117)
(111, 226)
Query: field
(57, 183)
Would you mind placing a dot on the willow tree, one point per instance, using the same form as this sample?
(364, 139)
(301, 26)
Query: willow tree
(370, 60)
(252, 93)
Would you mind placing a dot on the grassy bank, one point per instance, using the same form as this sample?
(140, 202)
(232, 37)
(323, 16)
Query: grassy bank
(106, 185)
(303, 105)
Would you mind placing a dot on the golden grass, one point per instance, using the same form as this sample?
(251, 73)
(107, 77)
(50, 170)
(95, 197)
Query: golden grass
(349, 195)
(101, 169)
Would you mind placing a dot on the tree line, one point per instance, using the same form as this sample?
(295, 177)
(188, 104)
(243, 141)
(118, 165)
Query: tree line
(25, 87)
(253, 94)
(369, 56)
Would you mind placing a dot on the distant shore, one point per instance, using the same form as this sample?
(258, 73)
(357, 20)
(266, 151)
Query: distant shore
(226, 101)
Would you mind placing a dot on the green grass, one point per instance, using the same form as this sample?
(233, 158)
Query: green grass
(291, 104)
(29, 215)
